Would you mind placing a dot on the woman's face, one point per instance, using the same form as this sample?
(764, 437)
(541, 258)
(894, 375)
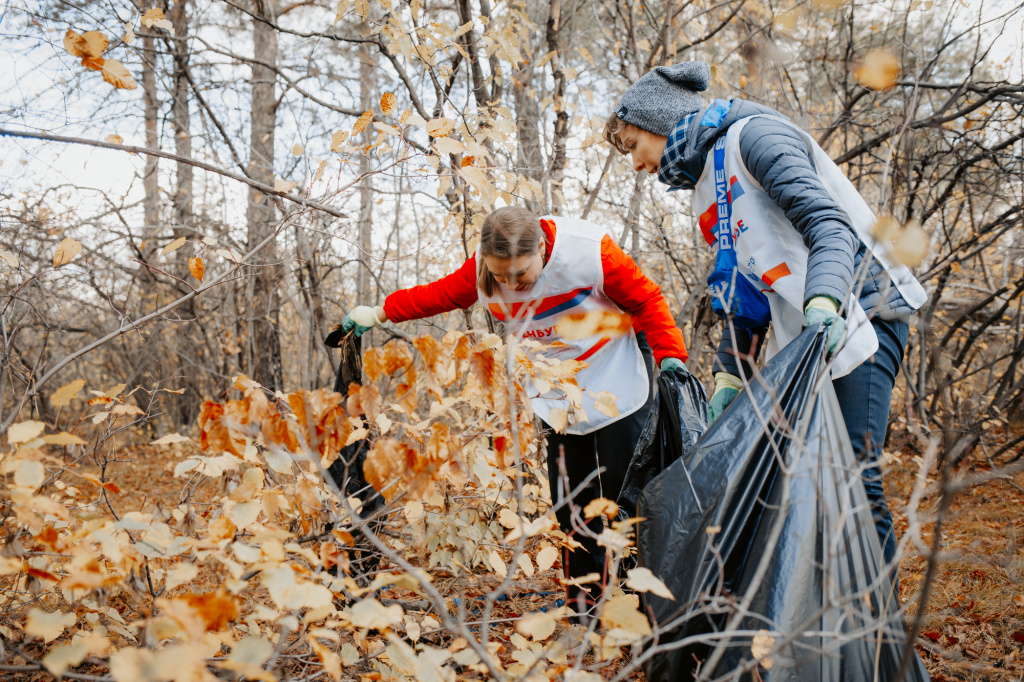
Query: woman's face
(519, 273)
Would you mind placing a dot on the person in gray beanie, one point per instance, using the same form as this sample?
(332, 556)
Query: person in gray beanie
(658, 101)
(789, 231)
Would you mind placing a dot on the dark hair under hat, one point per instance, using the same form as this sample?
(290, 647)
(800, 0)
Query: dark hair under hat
(662, 96)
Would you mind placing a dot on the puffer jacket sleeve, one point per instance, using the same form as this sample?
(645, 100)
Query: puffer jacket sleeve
(775, 154)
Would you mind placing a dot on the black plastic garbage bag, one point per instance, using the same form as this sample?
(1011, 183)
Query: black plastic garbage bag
(347, 470)
(764, 535)
(677, 422)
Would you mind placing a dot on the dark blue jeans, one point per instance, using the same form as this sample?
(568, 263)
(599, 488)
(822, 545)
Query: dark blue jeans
(864, 396)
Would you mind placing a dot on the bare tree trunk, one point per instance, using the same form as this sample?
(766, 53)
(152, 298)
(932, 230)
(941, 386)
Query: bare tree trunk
(529, 158)
(364, 283)
(180, 114)
(558, 158)
(263, 348)
(150, 178)
(183, 409)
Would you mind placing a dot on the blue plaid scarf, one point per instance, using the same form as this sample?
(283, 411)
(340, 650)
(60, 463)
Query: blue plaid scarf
(670, 170)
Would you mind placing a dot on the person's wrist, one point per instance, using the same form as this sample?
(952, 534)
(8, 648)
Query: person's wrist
(725, 380)
(380, 314)
(824, 303)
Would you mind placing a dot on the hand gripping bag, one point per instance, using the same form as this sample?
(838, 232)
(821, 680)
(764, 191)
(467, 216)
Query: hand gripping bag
(678, 420)
(764, 535)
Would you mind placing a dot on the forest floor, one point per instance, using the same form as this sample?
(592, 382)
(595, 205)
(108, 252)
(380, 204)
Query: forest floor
(974, 628)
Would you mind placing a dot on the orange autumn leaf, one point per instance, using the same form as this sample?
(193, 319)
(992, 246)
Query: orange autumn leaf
(387, 103)
(39, 573)
(361, 123)
(396, 356)
(115, 73)
(373, 363)
(217, 609)
(214, 433)
(196, 268)
(87, 577)
(89, 45)
(386, 463)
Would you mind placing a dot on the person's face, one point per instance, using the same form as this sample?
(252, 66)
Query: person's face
(519, 273)
(645, 148)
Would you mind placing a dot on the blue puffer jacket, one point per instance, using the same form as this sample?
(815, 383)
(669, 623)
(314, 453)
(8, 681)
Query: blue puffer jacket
(778, 159)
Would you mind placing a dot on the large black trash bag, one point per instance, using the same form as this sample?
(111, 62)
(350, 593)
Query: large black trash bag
(347, 470)
(676, 423)
(778, 515)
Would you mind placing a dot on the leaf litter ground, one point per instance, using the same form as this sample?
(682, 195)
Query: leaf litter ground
(974, 628)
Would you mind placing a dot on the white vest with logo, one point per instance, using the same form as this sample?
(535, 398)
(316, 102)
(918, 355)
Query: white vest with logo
(772, 255)
(572, 281)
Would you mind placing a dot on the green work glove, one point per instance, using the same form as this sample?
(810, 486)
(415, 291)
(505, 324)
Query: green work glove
(727, 387)
(825, 310)
(672, 364)
(362, 319)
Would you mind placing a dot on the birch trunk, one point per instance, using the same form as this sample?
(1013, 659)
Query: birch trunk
(263, 347)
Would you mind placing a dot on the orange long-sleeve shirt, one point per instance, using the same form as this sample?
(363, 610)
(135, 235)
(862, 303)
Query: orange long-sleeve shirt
(624, 284)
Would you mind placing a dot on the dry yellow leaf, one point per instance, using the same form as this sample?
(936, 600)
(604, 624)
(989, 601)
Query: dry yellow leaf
(622, 612)
(497, 563)
(911, 247)
(29, 474)
(63, 395)
(63, 438)
(173, 246)
(439, 127)
(546, 558)
(114, 139)
(68, 249)
(760, 648)
(298, 150)
(447, 145)
(196, 267)
(600, 506)
(115, 73)
(606, 403)
(387, 103)
(64, 656)
(537, 626)
(361, 123)
(557, 419)
(171, 438)
(155, 18)
(596, 322)
(22, 432)
(89, 45)
(878, 69)
(284, 185)
(338, 139)
(48, 625)
(370, 613)
(643, 580)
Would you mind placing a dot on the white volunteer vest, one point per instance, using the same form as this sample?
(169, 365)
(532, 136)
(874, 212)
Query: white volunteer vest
(772, 255)
(572, 281)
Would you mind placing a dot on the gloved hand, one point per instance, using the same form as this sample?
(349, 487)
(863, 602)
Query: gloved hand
(727, 387)
(362, 318)
(672, 365)
(824, 309)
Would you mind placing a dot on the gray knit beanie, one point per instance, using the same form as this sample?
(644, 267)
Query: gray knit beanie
(664, 95)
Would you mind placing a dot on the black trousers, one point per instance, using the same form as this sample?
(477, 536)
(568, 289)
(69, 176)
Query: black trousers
(610, 447)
